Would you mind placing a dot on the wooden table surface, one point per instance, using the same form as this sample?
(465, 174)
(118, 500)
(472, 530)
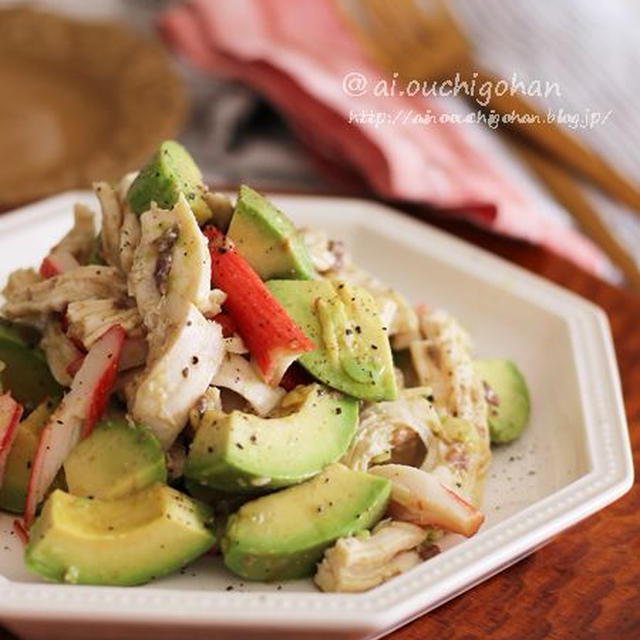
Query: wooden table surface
(585, 584)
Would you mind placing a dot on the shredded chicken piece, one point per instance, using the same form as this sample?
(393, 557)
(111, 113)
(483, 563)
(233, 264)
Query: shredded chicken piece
(112, 216)
(141, 280)
(79, 240)
(208, 403)
(184, 355)
(134, 353)
(325, 255)
(212, 306)
(238, 374)
(129, 240)
(387, 309)
(403, 339)
(54, 294)
(171, 240)
(360, 563)
(443, 361)
(450, 422)
(59, 351)
(382, 424)
(220, 206)
(170, 280)
(89, 319)
(235, 344)
(19, 280)
(123, 187)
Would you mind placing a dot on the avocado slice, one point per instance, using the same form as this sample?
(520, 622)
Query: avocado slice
(26, 373)
(509, 404)
(267, 239)
(246, 453)
(116, 460)
(352, 349)
(170, 172)
(283, 535)
(13, 490)
(118, 542)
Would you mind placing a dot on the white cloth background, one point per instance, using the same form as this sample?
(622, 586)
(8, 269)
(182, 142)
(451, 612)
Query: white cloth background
(591, 49)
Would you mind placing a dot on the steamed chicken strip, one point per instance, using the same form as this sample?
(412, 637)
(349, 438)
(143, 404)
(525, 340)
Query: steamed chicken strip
(170, 279)
(129, 240)
(209, 401)
(123, 186)
(54, 294)
(178, 372)
(89, 319)
(384, 424)
(172, 259)
(130, 228)
(443, 361)
(360, 563)
(19, 280)
(112, 216)
(79, 240)
(326, 255)
(60, 352)
(237, 373)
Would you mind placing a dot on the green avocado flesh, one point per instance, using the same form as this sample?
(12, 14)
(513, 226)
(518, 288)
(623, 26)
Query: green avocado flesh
(15, 481)
(352, 349)
(243, 452)
(283, 535)
(170, 172)
(116, 460)
(118, 542)
(26, 373)
(267, 239)
(509, 411)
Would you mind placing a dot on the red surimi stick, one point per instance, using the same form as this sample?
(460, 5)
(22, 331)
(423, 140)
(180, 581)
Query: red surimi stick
(267, 330)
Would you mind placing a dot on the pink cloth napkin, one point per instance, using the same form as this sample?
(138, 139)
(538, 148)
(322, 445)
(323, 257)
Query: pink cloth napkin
(296, 54)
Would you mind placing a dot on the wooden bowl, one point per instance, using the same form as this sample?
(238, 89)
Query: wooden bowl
(81, 101)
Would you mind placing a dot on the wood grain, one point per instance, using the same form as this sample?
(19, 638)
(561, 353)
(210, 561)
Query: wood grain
(585, 585)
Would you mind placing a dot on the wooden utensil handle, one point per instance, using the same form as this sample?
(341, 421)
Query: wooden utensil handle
(567, 190)
(552, 139)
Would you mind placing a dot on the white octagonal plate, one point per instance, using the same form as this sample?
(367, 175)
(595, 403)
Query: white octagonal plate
(573, 460)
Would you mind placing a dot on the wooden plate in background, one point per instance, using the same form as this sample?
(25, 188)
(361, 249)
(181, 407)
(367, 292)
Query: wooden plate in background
(79, 101)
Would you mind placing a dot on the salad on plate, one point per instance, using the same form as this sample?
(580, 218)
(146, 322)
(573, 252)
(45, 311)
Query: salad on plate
(200, 376)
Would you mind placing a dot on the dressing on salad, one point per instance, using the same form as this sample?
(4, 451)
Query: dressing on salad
(199, 374)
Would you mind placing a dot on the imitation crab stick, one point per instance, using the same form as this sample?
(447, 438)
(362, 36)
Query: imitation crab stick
(270, 334)
(10, 413)
(75, 416)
